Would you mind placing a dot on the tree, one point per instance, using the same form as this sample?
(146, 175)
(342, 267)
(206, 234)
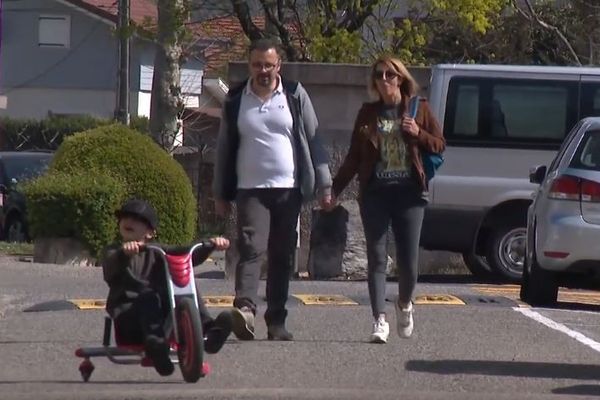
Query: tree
(444, 31)
(319, 30)
(166, 103)
(567, 34)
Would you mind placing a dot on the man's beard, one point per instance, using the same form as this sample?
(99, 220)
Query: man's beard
(264, 80)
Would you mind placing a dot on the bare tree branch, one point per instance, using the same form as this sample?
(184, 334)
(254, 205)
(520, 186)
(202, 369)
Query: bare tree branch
(242, 10)
(357, 15)
(549, 27)
(284, 35)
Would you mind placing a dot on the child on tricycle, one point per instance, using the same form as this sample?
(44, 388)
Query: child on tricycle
(144, 293)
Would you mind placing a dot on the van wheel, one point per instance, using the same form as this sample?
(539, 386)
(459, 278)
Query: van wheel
(506, 251)
(477, 264)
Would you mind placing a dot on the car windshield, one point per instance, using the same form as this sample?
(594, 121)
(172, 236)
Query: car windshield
(24, 168)
(587, 155)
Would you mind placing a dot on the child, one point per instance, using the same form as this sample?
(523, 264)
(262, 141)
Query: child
(138, 297)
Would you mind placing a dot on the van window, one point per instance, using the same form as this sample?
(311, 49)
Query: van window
(510, 112)
(590, 100)
(467, 110)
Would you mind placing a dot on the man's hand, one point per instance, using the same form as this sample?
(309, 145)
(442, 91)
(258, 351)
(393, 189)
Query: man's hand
(131, 248)
(220, 243)
(222, 208)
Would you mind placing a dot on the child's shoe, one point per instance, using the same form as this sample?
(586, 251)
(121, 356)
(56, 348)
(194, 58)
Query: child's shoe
(217, 332)
(158, 350)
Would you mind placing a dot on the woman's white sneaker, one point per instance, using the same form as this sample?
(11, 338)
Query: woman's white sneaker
(381, 331)
(404, 320)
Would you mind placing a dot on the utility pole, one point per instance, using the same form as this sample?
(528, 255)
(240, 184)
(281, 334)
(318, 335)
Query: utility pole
(122, 109)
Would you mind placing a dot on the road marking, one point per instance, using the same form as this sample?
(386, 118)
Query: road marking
(564, 295)
(323, 299)
(580, 337)
(218, 301)
(89, 304)
(439, 299)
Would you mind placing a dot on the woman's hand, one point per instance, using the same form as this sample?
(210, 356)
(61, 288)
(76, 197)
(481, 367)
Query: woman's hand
(333, 202)
(409, 125)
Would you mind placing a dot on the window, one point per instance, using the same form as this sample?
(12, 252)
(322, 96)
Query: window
(54, 31)
(590, 100)
(587, 155)
(510, 112)
(467, 110)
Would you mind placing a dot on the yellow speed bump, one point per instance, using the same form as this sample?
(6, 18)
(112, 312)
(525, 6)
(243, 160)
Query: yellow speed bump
(322, 299)
(218, 301)
(89, 304)
(439, 299)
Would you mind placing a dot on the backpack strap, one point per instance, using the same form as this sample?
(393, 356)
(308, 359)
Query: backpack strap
(289, 86)
(413, 106)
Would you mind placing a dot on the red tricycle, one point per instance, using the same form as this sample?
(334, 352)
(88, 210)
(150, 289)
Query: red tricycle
(183, 327)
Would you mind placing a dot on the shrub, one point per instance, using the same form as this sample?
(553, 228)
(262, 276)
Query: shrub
(45, 134)
(75, 206)
(144, 170)
(140, 124)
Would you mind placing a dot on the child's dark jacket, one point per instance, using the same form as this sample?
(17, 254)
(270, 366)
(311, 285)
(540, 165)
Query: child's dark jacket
(128, 276)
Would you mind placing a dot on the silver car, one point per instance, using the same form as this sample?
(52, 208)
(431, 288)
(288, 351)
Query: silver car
(563, 222)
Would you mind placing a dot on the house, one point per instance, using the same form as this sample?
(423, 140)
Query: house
(62, 57)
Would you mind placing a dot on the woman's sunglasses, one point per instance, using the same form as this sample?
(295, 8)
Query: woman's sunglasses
(386, 75)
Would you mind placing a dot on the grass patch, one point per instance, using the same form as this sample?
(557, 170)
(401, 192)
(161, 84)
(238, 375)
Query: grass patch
(16, 249)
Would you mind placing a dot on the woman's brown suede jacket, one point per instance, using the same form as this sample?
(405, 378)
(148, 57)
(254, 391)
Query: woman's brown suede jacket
(364, 153)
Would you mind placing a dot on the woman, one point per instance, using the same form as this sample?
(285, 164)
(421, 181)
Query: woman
(385, 152)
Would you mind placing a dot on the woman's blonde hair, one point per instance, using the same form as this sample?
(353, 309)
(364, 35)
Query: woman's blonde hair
(408, 85)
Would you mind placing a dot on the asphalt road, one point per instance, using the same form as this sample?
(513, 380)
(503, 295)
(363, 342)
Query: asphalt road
(491, 347)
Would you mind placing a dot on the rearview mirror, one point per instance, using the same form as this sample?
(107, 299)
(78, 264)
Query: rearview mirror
(537, 174)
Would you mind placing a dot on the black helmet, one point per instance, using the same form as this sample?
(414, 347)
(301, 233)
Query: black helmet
(140, 209)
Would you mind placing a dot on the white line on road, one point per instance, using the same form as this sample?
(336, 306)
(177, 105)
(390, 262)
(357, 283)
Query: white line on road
(580, 337)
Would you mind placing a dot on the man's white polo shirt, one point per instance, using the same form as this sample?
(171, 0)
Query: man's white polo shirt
(266, 156)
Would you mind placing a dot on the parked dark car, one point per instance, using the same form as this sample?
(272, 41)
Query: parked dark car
(17, 167)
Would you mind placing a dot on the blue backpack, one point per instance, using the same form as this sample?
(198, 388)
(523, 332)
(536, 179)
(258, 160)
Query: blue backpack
(431, 161)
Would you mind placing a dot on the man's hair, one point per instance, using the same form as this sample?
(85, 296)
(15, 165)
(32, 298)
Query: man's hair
(265, 44)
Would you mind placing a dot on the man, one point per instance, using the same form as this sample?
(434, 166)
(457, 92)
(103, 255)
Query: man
(269, 160)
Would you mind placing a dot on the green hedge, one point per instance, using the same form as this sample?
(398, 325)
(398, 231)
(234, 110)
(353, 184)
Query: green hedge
(144, 170)
(49, 133)
(74, 206)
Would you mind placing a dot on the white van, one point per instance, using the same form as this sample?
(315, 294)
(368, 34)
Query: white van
(498, 121)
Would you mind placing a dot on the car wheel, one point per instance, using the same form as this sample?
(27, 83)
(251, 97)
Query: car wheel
(540, 286)
(506, 251)
(15, 230)
(477, 264)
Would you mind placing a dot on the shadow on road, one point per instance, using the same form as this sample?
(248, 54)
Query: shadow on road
(90, 382)
(565, 305)
(506, 368)
(453, 278)
(581, 390)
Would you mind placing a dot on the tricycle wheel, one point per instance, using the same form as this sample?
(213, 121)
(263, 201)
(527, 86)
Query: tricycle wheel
(86, 368)
(190, 350)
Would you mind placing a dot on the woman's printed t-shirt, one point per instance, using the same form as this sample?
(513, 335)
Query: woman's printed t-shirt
(394, 166)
